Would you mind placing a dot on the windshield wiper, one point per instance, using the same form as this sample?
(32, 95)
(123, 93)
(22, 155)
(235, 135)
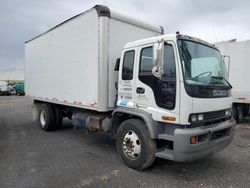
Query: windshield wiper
(222, 78)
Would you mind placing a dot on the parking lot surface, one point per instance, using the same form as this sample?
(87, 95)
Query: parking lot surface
(30, 157)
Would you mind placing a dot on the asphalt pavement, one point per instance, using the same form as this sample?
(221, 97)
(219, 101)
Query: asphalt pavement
(30, 157)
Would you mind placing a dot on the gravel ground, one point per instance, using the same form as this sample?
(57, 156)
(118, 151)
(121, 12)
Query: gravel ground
(30, 157)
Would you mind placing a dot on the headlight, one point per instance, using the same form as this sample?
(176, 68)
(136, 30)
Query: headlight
(194, 117)
(200, 117)
(228, 111)
(197, 117)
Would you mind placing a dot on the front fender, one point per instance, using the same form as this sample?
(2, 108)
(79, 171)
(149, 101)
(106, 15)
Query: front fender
(154, 128)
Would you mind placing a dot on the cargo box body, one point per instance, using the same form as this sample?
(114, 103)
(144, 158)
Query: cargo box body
(239, 70)
(73, 63)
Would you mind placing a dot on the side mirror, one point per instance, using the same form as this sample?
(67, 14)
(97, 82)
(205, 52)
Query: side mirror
(158, 53)
(226, 60)
(117, 64)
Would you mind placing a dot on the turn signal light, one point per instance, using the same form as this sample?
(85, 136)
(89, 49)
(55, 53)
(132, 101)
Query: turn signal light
(167, 118)
(193, 140)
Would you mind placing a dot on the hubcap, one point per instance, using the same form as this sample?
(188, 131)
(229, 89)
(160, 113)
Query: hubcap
(42, 118)
(131, 145)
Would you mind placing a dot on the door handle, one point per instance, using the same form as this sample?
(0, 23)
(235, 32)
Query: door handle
(140, 90)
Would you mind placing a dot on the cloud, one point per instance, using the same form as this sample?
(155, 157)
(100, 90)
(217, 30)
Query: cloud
(207, 19)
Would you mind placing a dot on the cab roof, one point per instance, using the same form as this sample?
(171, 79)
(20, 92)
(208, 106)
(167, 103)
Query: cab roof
(171, 37)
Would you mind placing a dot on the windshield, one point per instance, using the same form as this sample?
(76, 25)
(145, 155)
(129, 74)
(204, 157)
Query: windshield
(202, 65)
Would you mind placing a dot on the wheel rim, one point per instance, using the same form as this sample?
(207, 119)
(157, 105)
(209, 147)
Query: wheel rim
(131, 145)
(42, 118)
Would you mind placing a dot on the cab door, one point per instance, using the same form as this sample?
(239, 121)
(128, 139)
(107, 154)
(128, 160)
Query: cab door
(151, 91)
(126, 78)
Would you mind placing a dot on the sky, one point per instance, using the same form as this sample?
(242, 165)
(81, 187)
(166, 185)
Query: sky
(213, 21)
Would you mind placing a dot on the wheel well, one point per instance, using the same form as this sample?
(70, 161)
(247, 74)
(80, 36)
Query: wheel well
(67, 111)
(120, 117)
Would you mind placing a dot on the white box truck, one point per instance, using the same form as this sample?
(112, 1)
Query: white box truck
(158, 95)
(239, 74)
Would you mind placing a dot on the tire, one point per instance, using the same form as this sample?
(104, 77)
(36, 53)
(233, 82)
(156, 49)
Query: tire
(235, 113)
(139, 154)
(58, 117)
(47, 117)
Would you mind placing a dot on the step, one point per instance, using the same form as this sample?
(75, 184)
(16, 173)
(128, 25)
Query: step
(166, 137)
(165, 154)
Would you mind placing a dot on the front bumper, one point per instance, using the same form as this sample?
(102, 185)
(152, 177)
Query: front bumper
(210, 139)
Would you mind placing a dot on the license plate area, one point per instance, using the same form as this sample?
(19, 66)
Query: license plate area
(220, 134)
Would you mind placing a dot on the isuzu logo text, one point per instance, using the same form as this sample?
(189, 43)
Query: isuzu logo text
(219, 93)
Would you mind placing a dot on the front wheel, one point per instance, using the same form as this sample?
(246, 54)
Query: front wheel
(134, 146)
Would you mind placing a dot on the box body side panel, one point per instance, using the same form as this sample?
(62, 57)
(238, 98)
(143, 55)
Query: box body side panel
(62, 65)
(239, 73)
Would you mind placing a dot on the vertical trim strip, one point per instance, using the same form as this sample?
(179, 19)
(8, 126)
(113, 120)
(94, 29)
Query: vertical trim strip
(103, 65)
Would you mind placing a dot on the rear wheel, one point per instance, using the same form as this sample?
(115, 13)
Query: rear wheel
(58, 116)
(134, 146)
(47, 117)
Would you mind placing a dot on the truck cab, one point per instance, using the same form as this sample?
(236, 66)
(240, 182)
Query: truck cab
(178, 86)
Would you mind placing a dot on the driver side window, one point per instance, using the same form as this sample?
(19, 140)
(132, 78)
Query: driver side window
(165, 88)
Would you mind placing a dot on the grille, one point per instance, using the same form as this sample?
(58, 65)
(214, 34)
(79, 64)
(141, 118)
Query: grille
(215, 114)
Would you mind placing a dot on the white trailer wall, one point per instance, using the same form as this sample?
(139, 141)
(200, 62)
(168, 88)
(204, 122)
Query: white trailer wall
(239, 72)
